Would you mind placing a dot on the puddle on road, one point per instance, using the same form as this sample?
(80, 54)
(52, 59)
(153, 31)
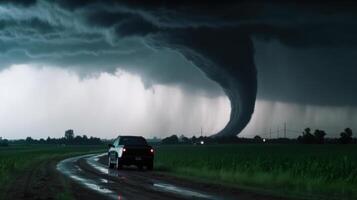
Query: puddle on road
(70, 169)
(93, 162)
(92, 186)
(181, 191)
(106, 181)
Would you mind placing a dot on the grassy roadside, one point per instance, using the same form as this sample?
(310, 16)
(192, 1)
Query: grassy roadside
(307, 171)
(31, 162)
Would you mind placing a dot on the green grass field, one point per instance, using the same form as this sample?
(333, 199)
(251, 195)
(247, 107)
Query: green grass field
(312, 171)
(16, 161)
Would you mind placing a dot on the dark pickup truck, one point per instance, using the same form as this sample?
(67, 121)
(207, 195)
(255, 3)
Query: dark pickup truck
(130, 150)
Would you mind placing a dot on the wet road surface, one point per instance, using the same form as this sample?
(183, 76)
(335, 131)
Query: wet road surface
(91, 172)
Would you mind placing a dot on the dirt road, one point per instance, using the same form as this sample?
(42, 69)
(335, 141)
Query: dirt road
(91, 172)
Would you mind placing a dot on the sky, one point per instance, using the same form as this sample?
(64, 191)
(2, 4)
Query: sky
(163, 68)
(48, 100)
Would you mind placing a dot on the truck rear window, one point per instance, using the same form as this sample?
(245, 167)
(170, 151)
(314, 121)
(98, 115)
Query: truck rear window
(132, 141)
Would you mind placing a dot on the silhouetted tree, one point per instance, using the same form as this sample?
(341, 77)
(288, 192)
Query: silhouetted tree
(346, 136)
(307, 137)
(257, 138)
(29, 140)
(185, 140)
(69, 134)
(194, 139)
(319, 136)
(42, 141)
(173, 139)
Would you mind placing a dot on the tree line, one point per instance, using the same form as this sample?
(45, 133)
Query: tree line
(307, 137)
(68, 139)
(318, 137)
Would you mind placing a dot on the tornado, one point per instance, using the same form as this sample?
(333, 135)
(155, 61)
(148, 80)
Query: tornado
(226, 57)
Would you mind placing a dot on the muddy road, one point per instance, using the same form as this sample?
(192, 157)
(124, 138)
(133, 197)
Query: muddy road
(91, 173)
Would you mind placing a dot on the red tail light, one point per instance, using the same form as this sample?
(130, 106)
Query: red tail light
(151, 150)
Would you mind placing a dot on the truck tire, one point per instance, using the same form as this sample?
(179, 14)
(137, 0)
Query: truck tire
(140, 167)
(119, 165)
(110, 165)
(150, 166)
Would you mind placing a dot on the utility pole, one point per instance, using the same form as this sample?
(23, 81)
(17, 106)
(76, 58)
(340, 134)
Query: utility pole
(277, 133)
(201, 131)
(284, 129)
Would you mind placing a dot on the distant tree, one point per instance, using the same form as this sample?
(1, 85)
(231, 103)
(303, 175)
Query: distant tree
(4, 143)
(194, 139)
(201, 138)
(29, 140)
(48, 140)
(42, 141)
(307, 137)
(69, 134)
(77, 140)
(346, 136)
(185, 140)
(319, 136)
(257, 138)
(94, 140)
(173, 139)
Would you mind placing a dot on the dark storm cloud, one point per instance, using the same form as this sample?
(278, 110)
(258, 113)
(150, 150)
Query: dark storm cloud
(20, 2)
(157, 38)
(315, 76)
(105, 19)
(135, 27)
